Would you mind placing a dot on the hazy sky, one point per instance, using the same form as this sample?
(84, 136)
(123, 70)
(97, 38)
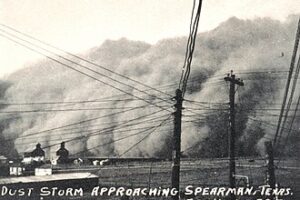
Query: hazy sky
(77, 25)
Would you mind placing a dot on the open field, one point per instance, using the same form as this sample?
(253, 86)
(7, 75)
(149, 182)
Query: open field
(196, 172)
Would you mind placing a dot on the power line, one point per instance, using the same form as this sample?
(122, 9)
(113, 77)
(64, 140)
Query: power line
(88, 75)
(65, 110)
(292, 122)
(83, 59)
(154, 129)
(288, 81)
(205, 102)
(80, 122)
(122, 138)
(265, 72)
(106, 129)
(190, 48)
(91, 132)
(289, 131)
(188, 43)
(291, 96)
(100, 100)
(66, 102)
(269, 124)
(147, 121)
(114, 127)
(94, 132)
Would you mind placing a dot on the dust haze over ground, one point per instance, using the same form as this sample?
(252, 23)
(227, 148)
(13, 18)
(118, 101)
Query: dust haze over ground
(242, 45)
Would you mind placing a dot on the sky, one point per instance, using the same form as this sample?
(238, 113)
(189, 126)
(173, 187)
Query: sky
(78, 25)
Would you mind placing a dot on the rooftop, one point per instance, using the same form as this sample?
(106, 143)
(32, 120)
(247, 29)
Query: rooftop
(3, 157)
(54, 177)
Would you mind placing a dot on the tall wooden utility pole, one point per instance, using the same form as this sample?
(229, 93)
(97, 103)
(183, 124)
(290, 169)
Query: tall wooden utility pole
(271, 169)
(177, 143)
(233, 81)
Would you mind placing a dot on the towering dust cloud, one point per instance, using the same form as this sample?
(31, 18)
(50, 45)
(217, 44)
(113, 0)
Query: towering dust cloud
(242, 45)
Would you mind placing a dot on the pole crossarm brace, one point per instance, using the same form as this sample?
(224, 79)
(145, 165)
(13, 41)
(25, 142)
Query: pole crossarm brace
(231, 78)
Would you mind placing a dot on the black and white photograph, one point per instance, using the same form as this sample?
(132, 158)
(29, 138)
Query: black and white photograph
(149, 99)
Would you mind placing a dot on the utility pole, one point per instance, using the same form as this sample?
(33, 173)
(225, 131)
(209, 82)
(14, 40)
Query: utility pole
(176, 153)
(233, 81)
(271, 169)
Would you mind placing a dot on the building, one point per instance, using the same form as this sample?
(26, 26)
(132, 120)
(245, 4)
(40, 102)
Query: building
(35, 158)
(4, 168)
(55, 184)
(38, 151)
(63, 154)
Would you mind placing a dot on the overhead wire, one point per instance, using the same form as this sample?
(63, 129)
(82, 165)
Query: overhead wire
(126, 137)
(83, 59)
(111, 127)
(187, 44)
(65, 110)
(290, 129)
(86, 74)
(81, 122)
(66, 102)
(288, 82)
(104, 130)
(145, 137)
(190, 47)
(294, 84)
(146, 121)
(92, 133)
